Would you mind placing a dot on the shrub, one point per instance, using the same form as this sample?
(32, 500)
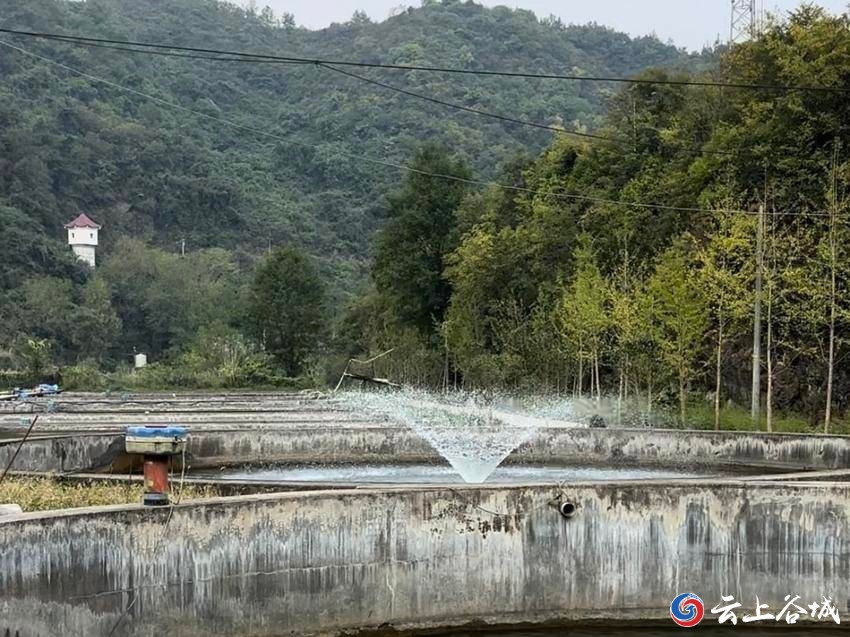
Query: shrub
(84, 376)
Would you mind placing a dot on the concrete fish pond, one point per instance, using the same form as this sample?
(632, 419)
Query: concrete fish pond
(348, 519)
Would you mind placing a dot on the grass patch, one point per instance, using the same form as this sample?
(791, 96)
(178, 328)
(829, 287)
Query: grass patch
(175, 376)
(701, 416)
(43, 494)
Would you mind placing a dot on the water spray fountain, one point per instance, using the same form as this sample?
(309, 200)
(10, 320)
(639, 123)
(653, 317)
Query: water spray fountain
(475, 434)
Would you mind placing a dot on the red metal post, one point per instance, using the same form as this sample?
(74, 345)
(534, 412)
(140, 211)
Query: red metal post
(156, 475)
(157, 444)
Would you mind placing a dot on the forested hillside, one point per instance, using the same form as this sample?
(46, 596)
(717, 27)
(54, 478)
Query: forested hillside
(624, 269)
(630, 267)
(228, 161)
(143, 168)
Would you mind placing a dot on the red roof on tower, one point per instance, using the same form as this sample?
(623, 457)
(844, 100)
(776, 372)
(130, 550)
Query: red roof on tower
(82, 222)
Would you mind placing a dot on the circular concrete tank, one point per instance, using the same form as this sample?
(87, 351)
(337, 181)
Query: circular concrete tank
(375, 533)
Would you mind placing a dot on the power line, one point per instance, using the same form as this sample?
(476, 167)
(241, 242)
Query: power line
(437, 69)
(188, 56)
(461, 107)
(622, 142)
(174, 54)
(349, 74)
(368, 80)
(386, 163)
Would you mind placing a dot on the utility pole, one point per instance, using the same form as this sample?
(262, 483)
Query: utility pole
(744, 23)
(771, 282)
(755, 411)
(833, 209)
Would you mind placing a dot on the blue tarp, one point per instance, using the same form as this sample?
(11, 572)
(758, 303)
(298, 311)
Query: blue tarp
(171, 431)
(43, 389)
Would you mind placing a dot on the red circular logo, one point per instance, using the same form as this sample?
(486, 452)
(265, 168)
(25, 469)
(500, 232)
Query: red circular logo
(687, 610)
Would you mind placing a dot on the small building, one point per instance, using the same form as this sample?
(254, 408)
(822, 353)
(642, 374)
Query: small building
(82, 237)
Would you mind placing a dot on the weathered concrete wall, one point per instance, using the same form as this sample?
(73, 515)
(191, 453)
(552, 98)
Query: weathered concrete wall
(311, 444)
(81, 452)
(548, 446)
(378, 443)
(670, 447)
(57, 454)
(325, 562)
(65, 417)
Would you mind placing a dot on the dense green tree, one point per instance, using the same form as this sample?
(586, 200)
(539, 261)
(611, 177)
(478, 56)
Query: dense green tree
(162, 298)
(487, 268)
(410, 250)
(369, 328)
(222, 356)
(165, 174)
(474, 286)
(167, 177)
(44, 310)
(28, 251)
(36, 357)
(631, 339)
(726, 262)
(94, 325)
(693, 163)
(287, 312)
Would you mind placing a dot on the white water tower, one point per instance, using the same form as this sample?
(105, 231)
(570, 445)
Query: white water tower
(82, 237)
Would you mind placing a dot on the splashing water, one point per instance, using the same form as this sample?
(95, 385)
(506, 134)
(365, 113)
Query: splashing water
(473, 433)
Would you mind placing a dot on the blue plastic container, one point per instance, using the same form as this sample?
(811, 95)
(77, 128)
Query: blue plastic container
(165, 431)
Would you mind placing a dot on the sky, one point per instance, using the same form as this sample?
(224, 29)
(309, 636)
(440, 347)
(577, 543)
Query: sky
(688, 23)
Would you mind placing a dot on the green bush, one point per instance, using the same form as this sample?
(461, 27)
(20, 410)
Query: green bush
(10, 378)
(84, 376)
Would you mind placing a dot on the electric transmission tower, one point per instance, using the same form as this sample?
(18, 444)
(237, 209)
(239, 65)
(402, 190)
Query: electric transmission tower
(744, 21)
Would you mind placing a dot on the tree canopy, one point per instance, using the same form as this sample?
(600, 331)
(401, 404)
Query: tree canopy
(287, 308)
(629, 265)
(69, 143)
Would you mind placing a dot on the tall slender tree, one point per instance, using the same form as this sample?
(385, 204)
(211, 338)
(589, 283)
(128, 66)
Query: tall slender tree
(680, 308)
(832, 250)
(584, 314)
(723, 261)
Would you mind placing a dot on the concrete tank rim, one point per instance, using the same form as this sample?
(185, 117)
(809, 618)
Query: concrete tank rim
(760, 451)
(120, 430)
(689, 432)
(713, 432)
(457, 489)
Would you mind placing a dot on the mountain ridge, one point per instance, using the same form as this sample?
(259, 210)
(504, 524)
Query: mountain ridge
(163, 174)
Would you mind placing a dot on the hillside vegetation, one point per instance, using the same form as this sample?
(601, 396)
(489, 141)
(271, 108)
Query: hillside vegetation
(289, 171)
(161, 174)
(629, 268)
(624, 271)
